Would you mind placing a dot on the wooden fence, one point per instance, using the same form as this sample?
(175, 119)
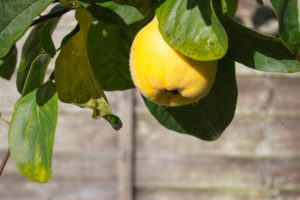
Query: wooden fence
(257, 158)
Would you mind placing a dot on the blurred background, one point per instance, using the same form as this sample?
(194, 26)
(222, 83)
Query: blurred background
(257, 158)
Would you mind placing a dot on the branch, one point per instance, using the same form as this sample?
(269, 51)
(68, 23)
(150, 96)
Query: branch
(51, 77)
(5, 121)
(7, 154)
(4, 161)
(50, 16)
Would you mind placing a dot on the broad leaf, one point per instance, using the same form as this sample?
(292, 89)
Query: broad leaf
(288, 14)
(75, 81)
(8, 63)
(108, 49)
(104, 14)
(45, 92)
(192, 28)
(36, 74)
(146, 7)
(15, 18)
(258, 51)
(31, 136)
(32, 48)
(45, 36)
(211, 115)
(128, 13)
(109, 42)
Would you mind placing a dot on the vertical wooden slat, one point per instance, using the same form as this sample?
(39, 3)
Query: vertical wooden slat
(126, 147)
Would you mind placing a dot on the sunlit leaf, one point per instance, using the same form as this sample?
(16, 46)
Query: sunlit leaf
(16, 16)
(31, 136)
(256, 50)
(288, 14)
(192, 28)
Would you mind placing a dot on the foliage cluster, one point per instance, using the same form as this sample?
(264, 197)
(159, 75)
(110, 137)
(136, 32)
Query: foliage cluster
(94, 58)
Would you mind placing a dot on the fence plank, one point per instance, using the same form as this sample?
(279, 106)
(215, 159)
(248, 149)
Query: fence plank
(126, 147)
(245, 137)
(200, 172)
(225, 194)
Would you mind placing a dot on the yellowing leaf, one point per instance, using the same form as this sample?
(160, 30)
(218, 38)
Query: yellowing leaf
(31, 136)
(74, 76)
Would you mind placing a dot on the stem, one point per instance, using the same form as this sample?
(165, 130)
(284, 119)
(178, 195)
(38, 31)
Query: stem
(51, 77)
(7, 154)
(5, 121)
(50, 16)
(4, 161)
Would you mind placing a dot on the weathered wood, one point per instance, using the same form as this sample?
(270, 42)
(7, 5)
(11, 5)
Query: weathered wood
(70, 169)
(269, 94)
(83, 192)
(80, 133)
(214, 194)
(200, 172)
(257, 158)
(126, 147)
(245, 137)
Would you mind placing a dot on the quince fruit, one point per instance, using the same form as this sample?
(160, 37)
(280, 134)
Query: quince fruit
(164, 75)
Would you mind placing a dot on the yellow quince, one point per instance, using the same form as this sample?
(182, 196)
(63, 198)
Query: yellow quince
(164, 75)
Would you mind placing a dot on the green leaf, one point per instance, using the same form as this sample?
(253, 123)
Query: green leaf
(32, 48)
(114, 120)
(45, 32)
(75, 81)
(104, 14)
(36, 74)
(229, 7)
(288, 13)
(8, 63)
(16, 16)
(45, 92)
(192, 28)
(211, 115)
(128, 13)
(31, 136)
(258, 51)
(146, 7)
(108, 50)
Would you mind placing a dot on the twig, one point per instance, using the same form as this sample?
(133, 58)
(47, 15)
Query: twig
(4, 161)
(4, 120)
(51, 77)
(6, 156)
(50, 16)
